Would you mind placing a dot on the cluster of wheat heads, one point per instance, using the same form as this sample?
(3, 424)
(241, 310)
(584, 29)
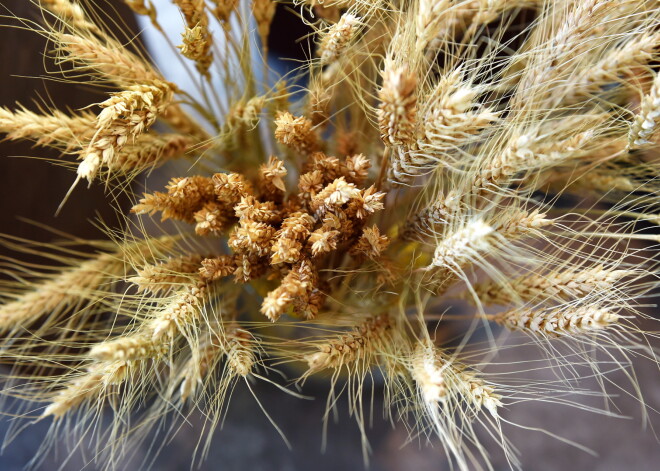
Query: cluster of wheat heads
(437, 174)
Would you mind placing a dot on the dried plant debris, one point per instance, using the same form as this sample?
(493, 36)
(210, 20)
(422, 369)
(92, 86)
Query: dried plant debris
(498, 157)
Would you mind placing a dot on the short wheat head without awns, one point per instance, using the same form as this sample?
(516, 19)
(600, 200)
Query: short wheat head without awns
(440, 185)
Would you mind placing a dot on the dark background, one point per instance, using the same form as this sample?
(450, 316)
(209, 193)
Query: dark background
(33, 189)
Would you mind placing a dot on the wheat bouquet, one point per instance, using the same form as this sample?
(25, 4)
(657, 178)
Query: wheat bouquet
(437, 174)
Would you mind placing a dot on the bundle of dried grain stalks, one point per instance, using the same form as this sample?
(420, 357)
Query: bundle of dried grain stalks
(432, 152)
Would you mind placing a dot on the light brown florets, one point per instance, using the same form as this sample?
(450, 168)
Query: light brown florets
(356, 169)
(250, 208)
(334, 195)
(230, 187)
(272, 179)
(296, 133)
(252, 237)
(213, 219)
(218, 267)
(323, 241)
(310, 183)
(295, 290)
(371, 244)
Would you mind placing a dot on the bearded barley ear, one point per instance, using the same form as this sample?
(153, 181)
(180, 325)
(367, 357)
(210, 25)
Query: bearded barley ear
(564, 285)
(359, 345)
(87, 386)
(439, 378)
(125, 116)
(67, 289)
(241, 355)
(165, 276)
(148, 151)
(55, 129)
(441, 212)
(458, 250)
(451, 119)
(572, 28)
(441, 387)
(475, 390)
(568, 322)
(529, 153)
(605, 182)
(184, 310)
(429, 21)
(231, 342)
(152, 339)
(337, 38)
(464, 246)
(319, 99)
(138, 346)
(636, 52)
(427, 370)
(110, 61)
(397, 112)
(520, 223)
(643, 129)
(455, 250)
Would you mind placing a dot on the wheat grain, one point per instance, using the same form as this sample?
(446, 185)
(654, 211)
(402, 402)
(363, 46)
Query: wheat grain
(561, 285)
(559, 322)
(358, 345)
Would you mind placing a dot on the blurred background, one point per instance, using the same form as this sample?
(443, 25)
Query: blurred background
(32, 188)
